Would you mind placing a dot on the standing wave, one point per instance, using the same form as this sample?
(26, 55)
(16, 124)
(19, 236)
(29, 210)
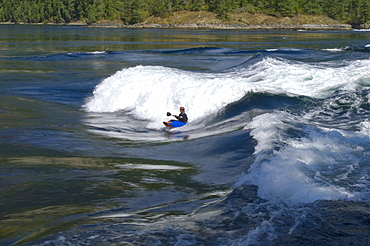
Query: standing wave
(317, 151)
(147, 92)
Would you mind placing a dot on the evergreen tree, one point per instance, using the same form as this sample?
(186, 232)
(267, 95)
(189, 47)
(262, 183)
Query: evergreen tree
(286, 7)
(358, 12)
(81, 9)
(198, 5)
(220, 7)
(311, 7)
(135, 11)
(355, 12)
(159, 7)
(364, 13)
(337, 9)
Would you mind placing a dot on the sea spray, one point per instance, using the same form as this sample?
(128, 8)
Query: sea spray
(317, 164)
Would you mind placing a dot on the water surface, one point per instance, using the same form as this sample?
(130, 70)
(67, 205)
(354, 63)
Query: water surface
(275, 152)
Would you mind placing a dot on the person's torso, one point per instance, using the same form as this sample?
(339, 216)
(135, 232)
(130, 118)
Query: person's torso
(183, 118)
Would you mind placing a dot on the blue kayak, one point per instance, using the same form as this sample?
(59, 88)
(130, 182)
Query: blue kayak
(174, 123)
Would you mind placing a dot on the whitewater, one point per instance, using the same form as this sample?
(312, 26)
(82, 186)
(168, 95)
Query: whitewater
(301, 170)
(276, 151)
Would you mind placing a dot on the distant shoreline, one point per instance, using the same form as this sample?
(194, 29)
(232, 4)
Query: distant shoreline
(236, 21)
(201, 26)
(231, 26)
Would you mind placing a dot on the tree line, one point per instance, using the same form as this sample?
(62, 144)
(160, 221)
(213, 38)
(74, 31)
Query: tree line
(354, 12)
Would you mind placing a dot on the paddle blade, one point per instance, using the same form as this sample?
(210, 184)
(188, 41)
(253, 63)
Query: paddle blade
(168, 114)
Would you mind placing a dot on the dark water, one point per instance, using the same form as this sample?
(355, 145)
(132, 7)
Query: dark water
(276, 151)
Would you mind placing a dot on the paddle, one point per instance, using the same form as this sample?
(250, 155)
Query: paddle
(169, 114)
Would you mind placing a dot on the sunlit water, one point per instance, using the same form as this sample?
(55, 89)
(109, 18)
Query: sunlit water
(276, 151)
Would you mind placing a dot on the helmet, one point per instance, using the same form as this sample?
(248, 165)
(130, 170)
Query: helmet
(182, 108)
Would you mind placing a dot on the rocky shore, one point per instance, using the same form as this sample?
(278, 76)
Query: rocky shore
(235, 26)
(208, 20)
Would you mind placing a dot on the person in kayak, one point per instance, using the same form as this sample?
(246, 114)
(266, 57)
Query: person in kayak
(181, 119)
(182, 116)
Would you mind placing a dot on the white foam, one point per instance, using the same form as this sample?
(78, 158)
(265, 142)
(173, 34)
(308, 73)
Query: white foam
(361, 30)
(365, 127)
(97, 52)
(91, 52)
(335, 49)
(150, 167)
(302, 169)
(150, 91)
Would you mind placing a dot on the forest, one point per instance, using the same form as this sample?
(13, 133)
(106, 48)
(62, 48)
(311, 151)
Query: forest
(354, 12)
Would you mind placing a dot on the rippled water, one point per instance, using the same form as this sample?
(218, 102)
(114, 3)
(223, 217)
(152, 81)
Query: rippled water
(275, 151)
